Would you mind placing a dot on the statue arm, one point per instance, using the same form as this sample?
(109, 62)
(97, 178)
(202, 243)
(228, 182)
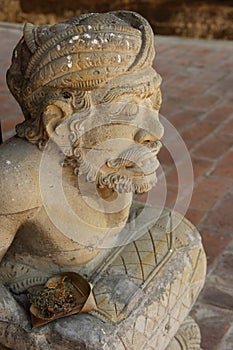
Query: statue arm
(9, 225)
(8, 228)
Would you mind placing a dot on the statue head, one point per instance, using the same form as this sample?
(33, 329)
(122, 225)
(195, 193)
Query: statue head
(91, 79)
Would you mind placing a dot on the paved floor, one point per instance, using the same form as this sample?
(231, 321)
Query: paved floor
(197, 100)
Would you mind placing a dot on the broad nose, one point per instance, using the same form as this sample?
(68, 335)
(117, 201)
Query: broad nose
(144, 137)
(149, 140)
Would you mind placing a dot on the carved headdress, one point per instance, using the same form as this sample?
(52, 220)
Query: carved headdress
(108, 51)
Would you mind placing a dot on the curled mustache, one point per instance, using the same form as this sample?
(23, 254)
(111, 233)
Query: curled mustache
(135, 156)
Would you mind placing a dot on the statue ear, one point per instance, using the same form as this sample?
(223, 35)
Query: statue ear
(55, 113)
(52, 117)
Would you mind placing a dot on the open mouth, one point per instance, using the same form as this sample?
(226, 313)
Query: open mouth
(141, 159)
(144, 167)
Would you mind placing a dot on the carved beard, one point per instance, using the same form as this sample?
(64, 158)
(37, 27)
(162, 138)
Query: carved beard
(123, 184)
(133, 171)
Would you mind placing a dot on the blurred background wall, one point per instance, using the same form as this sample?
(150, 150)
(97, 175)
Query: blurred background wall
(212, 19)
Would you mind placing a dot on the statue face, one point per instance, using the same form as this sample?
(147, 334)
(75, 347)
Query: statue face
(116, 145)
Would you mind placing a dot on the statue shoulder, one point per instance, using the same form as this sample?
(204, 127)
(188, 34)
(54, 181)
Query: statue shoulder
(19, 180)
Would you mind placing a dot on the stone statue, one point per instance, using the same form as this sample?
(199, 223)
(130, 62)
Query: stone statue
(90, 140)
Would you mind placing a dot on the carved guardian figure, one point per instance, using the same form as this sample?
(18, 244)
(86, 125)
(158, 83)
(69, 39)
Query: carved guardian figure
(80, 83)
(90, 140)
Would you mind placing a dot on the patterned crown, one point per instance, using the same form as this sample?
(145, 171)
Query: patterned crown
(81, 53)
